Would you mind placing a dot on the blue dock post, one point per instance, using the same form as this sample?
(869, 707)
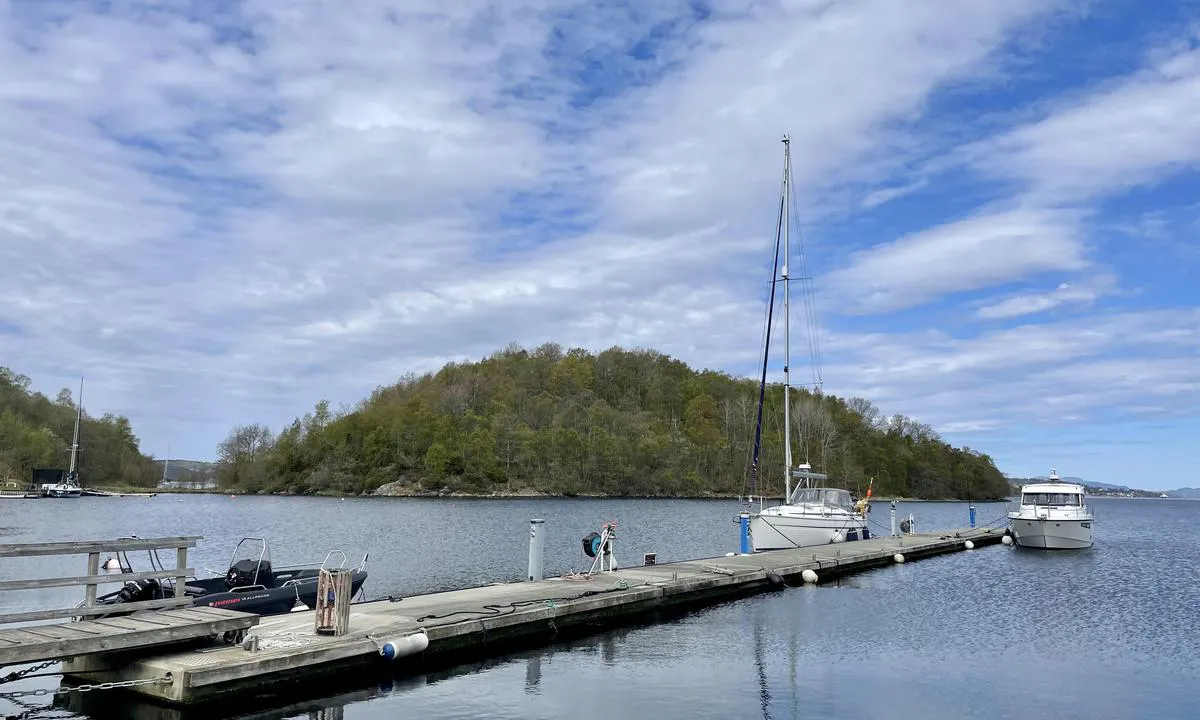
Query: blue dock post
(744, 531)
(972, 515)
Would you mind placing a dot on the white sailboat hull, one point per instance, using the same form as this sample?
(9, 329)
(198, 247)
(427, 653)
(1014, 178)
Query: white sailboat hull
(780, 530)
(1051, 533)
(61, 491)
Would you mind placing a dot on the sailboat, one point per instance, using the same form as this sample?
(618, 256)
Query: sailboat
(814, 513)
(69, 486)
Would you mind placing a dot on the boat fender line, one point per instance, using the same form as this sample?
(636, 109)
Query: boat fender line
(403, 646)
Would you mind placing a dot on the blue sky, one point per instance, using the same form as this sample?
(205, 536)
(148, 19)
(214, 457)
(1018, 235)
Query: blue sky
(223, 212)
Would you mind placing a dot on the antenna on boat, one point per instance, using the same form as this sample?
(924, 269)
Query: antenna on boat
(787, 345)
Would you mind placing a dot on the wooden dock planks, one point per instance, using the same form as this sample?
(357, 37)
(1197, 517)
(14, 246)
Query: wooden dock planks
(144, 630)
(476, 617)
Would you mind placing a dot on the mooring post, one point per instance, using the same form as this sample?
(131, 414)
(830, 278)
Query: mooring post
(893, 518)
(93, 565)
(744, 531)
(334, 593)
(536, 549)
(972, 516)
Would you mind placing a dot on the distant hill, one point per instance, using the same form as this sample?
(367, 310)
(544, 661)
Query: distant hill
(634, 423)
(1098, 488)
(1190, 493)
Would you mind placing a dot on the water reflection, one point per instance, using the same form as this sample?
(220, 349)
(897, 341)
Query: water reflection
(947, 637)
(533, 673)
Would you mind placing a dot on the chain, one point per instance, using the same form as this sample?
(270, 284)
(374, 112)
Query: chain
(18, 674)
(165, 679)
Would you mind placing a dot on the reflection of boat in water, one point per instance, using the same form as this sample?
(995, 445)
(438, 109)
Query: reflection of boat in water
(251, 584)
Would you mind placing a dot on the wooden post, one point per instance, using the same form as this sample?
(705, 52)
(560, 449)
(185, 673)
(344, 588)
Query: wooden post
(181, 566)
(93, 571)
(334, 590)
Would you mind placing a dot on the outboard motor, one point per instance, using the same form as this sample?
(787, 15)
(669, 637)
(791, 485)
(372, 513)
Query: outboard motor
(242, 573)
(138, 591)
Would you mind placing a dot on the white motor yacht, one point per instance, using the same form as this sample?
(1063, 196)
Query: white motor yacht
(1053, 515)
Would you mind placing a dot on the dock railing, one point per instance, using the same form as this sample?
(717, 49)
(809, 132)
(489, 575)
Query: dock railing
(94, 578)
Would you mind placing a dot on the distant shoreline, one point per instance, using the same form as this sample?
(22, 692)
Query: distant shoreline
(525, 494)
(504, 495)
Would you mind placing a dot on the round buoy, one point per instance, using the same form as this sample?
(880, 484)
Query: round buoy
(969, 545)
(809, 576)
(898, 557)
(838, 537)
(112, 564)
(1006, 540)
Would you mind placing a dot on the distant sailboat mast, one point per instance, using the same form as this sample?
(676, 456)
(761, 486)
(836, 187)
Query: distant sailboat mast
(787, 342)
(71, 474)
(166, 463)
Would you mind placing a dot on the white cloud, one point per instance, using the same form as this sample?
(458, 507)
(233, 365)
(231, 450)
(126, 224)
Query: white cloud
(971, 254)
(336, 194)
(1128, 133)
(887, 194)
(1027, 373)
(1037, 302)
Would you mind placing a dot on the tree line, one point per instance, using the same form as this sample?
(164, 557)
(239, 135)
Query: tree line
(570, 422)
(35, 432)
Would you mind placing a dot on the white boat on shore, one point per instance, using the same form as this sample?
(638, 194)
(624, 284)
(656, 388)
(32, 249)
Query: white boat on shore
(1053, 515)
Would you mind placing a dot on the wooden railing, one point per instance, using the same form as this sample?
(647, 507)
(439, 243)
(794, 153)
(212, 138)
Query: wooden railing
(95, 578)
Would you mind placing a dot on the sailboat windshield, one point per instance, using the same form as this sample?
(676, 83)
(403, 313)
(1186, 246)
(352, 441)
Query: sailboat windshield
(827, 497)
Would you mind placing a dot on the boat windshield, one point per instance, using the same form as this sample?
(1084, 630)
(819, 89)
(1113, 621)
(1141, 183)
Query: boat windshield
(253, 549)
(828, 497)
(1068, 499)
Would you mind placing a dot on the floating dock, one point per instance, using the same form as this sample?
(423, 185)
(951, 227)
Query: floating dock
(412, 633)
(32, 643)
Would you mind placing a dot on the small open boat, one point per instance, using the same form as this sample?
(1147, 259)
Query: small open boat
(250, 584)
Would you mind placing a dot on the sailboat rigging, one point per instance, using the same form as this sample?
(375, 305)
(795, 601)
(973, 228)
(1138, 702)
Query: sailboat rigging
(69, 486)
(811, 514)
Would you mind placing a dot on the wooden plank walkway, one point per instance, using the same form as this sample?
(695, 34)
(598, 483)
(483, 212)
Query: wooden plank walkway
(33, 643)
(500, 615)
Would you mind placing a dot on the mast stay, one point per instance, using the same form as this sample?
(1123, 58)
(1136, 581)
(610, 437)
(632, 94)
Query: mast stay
(780, 231)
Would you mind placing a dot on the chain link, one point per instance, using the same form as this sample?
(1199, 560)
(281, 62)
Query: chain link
(18, 674)
(165, 679)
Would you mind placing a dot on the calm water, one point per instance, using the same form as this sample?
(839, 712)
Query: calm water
(1110, 632)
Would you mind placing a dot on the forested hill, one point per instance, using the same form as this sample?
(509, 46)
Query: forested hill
(35, 431)
(634, 423)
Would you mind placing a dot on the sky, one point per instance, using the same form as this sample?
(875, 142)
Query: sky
(221, 212)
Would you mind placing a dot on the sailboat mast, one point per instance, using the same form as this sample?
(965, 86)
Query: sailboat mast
(75, 437)
(787, 344)
(166, 463)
